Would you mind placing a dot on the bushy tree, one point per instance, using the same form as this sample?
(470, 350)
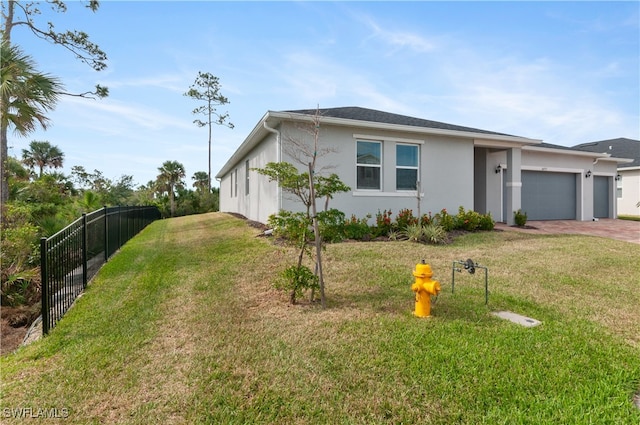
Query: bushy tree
(42, 154)
(169, 180)
(27, 94)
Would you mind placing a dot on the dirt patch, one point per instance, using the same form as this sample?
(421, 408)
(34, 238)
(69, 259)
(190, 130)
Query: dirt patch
(15, 322)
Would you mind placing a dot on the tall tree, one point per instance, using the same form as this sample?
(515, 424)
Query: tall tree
(25, 14)
(26, 96)
(207, 88)
(42, 155)
(170, 179)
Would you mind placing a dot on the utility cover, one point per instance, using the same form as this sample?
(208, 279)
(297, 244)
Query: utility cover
(517, 318)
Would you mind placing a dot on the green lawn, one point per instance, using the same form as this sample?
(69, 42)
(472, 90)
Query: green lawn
(183, 326)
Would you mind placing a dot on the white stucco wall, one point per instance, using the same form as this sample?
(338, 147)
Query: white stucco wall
(262, 199)
(558, 161)
(630, 182)
(445, 168)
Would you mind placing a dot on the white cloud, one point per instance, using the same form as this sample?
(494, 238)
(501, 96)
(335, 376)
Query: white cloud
(399, 38)
(174, 83)
(115, 115)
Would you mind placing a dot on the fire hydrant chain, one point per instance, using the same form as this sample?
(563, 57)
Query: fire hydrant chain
(424, 287)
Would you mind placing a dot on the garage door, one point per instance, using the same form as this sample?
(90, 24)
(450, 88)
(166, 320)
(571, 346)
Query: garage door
(601, 196)
(549, 196)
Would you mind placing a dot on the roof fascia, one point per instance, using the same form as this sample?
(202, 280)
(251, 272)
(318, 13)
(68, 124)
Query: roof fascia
(481, 139)
(594, 155)
(256, 135)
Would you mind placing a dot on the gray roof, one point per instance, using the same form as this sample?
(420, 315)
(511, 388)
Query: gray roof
(371, 115)
(619, 148)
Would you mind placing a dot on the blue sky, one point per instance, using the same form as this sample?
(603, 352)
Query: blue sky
(566, 73)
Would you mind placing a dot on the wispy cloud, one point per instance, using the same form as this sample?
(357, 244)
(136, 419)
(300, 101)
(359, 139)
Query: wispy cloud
(173, 82)
(399, 38)
(113, 111)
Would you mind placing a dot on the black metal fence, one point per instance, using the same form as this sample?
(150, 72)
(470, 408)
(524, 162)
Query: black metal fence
(71, 257)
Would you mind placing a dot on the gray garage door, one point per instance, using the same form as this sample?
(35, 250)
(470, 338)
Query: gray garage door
(601, 196)
(549, 196)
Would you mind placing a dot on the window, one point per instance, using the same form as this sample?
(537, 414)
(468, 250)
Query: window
(231, 185)
(406, 167)
(368, 165)
(235, 182)
(246, 172)
(619, 187)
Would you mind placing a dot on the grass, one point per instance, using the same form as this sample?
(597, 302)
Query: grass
(183, 326)
(629, 217)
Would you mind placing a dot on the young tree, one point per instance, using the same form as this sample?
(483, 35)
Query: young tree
(207, 88)
(307, 187)
(170, 179)
(42, 155)
(17, 14)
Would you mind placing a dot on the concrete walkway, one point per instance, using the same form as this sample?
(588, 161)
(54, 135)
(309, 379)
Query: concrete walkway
(624, 230)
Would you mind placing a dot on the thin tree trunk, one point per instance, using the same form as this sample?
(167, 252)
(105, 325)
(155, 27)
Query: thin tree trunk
(209, 175)
(318, 237)
(4, 175)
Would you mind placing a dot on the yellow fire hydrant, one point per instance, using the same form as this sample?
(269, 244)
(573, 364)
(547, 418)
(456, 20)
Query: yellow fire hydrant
(424, 287)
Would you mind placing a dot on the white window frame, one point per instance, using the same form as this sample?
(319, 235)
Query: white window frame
(619, 188)
(379, 166)
(246, 184)
(406, 167)
(235, 181)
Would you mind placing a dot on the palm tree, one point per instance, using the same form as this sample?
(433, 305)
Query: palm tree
(170, 178)
(200, 181)
(26, 96)
(42, 155)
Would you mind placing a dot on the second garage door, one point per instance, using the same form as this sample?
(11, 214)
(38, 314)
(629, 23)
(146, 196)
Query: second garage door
(549, 196)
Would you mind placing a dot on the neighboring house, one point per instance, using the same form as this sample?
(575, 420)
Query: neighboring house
(628, 178)
(384, 157)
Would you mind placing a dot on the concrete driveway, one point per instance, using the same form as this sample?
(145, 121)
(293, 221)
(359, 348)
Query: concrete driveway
(624, 230)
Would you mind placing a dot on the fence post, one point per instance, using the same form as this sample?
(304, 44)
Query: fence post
(84, 250)
(106, 235)
(44, 284)
(119, 227)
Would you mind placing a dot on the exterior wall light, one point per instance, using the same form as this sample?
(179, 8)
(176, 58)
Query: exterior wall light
(588, 174)
(618, 177)
(498, 169)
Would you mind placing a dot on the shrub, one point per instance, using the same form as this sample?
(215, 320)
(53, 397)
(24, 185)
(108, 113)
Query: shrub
(413, 232)
(19, 256)
(426, 219)
(357, 229)
(291, 226)
(467, 220)
(520, 218)
(383, 223)
(331, 225)
(405, 218)
(297, 279)
(445, 220)
(434, 233)
(486, 222)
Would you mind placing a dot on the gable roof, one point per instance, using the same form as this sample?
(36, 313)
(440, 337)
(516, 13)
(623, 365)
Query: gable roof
(620, 148)
(370, 119)
(372, 115)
